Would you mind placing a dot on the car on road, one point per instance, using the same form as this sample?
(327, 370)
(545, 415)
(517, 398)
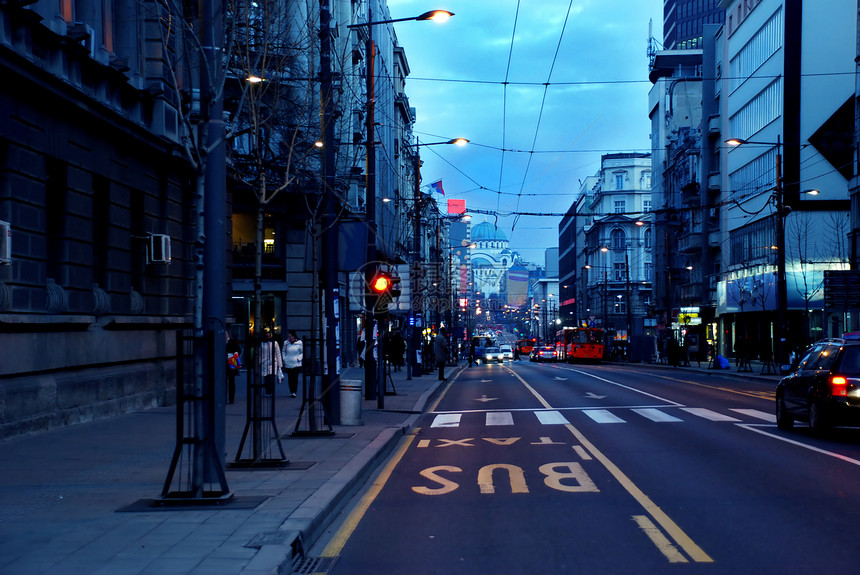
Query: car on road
(507, 351)
(544, 353)
(822, 388)
(493, 353)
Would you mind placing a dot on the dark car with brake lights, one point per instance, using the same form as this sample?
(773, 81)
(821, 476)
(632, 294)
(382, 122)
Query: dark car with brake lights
(823, 387)
(544, 353)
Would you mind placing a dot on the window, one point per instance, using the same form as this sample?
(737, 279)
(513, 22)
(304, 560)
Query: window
(619, 270)
(646, 205)
(619, 240)
(620, 206)
(619, 181)
(648, 239)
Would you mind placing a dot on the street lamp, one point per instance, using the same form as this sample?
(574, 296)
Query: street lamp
(371, 382)
(416, 236)
(781, 291)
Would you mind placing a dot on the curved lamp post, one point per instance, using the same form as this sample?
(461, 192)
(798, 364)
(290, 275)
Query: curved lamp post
(372, 382)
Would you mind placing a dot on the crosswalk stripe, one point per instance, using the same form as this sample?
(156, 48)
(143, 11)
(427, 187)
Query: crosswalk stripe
(603, 416)
(554, 417)
(656, 415)
(769, 417)
(447, 420)
(551, 418)
(500, 418)
(708, 414)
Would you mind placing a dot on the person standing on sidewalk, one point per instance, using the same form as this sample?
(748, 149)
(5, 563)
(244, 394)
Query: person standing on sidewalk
(440, 351)
(293, 354)
(234, 352)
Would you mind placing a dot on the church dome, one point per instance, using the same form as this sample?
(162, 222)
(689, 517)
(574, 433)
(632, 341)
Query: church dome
(487, 232)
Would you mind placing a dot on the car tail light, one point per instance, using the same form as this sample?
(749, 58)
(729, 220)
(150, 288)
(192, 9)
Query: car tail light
(838, 386)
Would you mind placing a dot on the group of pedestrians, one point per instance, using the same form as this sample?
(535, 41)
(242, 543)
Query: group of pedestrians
(272, 363)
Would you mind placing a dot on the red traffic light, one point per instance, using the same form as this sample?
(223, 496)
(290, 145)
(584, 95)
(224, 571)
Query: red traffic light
(381, 284)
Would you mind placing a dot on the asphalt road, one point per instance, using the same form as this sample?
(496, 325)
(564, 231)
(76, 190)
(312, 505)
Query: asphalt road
(555, 468)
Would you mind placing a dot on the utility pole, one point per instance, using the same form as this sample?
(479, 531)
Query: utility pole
(331, 377)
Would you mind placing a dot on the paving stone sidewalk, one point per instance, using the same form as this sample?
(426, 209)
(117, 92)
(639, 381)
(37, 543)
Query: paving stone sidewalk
(62, 492)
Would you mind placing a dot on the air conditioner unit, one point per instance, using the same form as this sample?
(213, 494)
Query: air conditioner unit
(84, 34)
(5, 243)
(158, 250)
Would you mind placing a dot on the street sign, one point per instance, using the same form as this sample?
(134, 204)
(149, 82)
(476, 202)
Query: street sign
(841, 289)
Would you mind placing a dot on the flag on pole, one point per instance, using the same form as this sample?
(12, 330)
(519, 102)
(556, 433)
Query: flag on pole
(437, 187)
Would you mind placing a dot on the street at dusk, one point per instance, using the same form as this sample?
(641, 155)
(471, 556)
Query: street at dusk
(525, 468)
(380, 286)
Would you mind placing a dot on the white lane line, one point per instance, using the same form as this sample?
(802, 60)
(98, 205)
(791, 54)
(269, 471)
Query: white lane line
(603, 416)
(500, 418)
(446, 420)
(800, 444)
(708, 414)
(656, 415)
(769, 417)
(551, 418)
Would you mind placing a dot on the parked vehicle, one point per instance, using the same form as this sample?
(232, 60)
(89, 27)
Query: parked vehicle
(507, 351)
(823, 387)
(544, 353)
(493, 353)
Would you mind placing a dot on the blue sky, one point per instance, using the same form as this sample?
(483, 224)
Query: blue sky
(596, 101)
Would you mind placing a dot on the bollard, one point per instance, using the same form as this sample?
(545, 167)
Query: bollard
(350, 402)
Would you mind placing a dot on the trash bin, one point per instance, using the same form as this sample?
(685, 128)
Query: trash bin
(350, 402)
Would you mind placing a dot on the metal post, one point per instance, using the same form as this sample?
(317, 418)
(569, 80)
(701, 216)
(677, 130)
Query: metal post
(416, 264)
(781, 329)
(370, 376)
(331, 377)
(215, 248)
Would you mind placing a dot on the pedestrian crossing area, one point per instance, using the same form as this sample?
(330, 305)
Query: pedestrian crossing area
(607, 416)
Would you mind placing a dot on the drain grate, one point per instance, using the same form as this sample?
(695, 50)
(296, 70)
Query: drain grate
(314, 565)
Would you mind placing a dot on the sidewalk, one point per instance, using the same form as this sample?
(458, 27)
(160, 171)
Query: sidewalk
(757, 370)
(62, 492)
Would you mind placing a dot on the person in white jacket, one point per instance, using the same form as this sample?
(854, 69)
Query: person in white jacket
(293, 352)
(270, 362)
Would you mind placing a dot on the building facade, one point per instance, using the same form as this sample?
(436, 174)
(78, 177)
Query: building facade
(795, 156)
(617, 249)
(96, 199)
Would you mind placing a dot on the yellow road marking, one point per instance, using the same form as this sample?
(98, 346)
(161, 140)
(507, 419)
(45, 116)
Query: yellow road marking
(663, 520)
(660, 541)
(343, 534)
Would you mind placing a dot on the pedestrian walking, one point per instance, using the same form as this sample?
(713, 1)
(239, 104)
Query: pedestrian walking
(396, 348)
(440, 350)
(292, 356)
(471, 352)
(270, 362)
(234, 354)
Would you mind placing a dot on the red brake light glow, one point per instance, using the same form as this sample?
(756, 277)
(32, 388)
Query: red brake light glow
(838, 386)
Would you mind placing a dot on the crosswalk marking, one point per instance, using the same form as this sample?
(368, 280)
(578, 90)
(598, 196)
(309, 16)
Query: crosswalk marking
(615, 415)
(500, 418)
(603, 416)
(551, 418)
(447, 420)
(769, 417)
(708, 414)
(656, 415)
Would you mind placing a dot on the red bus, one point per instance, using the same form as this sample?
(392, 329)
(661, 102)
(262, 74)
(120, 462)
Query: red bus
(525, 346)
(579, 344)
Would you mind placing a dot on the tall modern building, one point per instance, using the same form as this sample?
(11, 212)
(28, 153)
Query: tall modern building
(684, 21)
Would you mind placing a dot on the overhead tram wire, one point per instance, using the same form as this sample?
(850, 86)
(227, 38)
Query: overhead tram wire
(540, 112)
(505, 101)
